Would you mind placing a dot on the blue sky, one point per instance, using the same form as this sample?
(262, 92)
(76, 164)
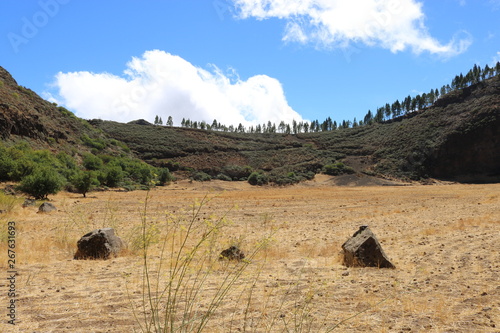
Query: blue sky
(243, 61)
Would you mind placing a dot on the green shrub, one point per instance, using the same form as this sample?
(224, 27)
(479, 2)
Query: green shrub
(92, 162)
(201, 176)
(42, 182)
(7, 164)
(223, 177)
(84, 182)
(142, 173)
(98, 144)
(66, 112)
(113, 175)
(236, 172)
(164, 176)
(337, 168)
(21, 168)
(258, 178)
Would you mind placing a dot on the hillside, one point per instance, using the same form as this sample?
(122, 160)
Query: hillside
(46, 148)
(456, 139)
(26, 116)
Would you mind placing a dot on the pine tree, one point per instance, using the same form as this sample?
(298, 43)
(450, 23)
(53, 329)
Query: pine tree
(379, 116)
(368, 117)
(443, 90)
(387, 110)
(170, 121)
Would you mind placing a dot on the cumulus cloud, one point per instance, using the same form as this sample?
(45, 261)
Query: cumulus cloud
(496, 59)
(159, 83)
(396, 25)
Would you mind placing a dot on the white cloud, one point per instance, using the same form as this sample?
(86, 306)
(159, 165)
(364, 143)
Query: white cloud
(496, 58)
(163, 84)
(396, 25)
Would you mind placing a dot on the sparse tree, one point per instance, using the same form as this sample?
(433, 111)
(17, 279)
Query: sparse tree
(42, 182)
(84, 182)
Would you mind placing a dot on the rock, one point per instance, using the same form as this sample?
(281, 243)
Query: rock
(46, 207)
(99, 244)
(232, 253)
(9, 190)
(363, 249)
(29, 203)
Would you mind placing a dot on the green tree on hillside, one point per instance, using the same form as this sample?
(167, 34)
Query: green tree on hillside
(84, 182)
(42, 182)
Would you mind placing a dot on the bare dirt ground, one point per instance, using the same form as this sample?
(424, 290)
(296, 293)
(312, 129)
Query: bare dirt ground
(444, 240)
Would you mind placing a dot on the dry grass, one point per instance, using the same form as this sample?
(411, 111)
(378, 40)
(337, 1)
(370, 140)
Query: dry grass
(443, 240)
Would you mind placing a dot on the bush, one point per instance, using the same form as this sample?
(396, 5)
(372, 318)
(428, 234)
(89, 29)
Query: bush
(98, 144)
(200, 176)
(7, 164)
(258, 178)
(223, 177)
(164, 176)
(336, 169)
(21, 168)
(92, 162)
(236, 172)
(84, 182)
(113, 175)
(42, 182)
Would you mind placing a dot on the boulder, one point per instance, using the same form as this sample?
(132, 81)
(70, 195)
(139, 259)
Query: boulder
(363, 249)
(232, 253)
(99, 244)
(29, 203)
(9, 190)
(46, 207)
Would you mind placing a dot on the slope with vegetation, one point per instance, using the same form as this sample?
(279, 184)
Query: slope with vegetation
(455, 138)
(46, 148)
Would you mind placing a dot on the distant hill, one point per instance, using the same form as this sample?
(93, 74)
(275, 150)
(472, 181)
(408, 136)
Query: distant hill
(457, 138)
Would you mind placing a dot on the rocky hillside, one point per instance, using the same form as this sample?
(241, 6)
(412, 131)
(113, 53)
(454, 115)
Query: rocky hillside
(25, 116)
(457, 139)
